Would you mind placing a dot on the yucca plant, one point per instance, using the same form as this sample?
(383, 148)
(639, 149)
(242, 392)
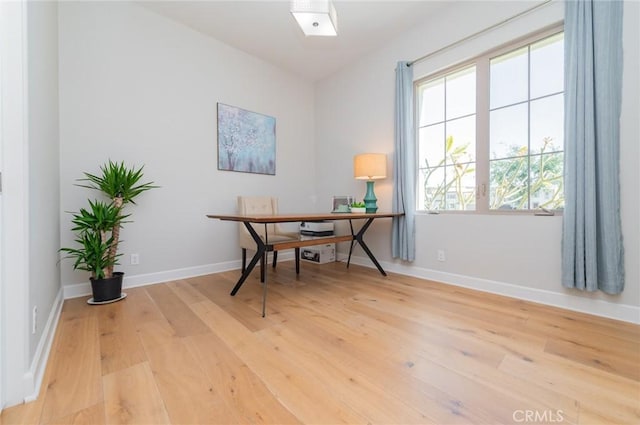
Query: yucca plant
(94, 227)
(122, 185)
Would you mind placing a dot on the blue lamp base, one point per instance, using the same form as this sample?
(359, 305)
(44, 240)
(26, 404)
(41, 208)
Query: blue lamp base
(370, 200)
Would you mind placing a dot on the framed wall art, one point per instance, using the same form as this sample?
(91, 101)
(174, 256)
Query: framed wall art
(341, 203)
(246, 141)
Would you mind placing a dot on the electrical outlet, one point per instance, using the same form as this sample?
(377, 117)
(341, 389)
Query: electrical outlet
(135, 259)
(441, 256)
(34, 320)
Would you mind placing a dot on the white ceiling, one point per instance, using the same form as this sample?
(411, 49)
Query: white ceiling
(266, 29)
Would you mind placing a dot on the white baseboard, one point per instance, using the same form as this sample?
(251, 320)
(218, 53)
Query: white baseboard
(83, 289)
(35, 374)
(624, 312)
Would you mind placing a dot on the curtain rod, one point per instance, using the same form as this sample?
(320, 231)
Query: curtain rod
(476, 34)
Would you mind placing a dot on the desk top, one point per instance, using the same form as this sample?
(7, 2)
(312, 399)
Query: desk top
(288, 218)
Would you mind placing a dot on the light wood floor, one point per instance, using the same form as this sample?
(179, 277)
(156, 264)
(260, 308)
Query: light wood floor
(337, 346)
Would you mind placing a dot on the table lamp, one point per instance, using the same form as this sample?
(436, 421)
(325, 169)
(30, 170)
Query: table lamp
(370, 167)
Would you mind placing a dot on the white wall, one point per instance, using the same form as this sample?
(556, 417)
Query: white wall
(137, 87)
(44, 192)
(30, 208)
(514, 255)
(630, 151)
(14, 324)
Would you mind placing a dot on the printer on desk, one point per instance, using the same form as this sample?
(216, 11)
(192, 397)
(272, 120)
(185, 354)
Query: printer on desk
(319, 254)
(316, 228)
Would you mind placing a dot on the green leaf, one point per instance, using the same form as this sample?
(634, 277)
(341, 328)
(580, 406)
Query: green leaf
(449, 143)
(118, 181)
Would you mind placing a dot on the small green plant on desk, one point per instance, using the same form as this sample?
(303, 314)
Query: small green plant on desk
(357, 207)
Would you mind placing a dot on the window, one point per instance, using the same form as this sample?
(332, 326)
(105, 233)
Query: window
(490, 132)
(447, 141)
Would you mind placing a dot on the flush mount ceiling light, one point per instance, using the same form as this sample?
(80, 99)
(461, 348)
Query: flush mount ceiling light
(315, 17)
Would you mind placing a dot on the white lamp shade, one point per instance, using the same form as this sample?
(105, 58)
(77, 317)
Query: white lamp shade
(315, 17)
(370, 166)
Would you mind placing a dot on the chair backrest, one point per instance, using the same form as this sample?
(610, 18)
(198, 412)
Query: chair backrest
(258, 205)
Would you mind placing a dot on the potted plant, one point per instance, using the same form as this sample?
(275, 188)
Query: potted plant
(121, 185)
(94, 227)
(358, 207)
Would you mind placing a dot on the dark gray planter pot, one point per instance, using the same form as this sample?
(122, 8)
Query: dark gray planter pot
(109, 289)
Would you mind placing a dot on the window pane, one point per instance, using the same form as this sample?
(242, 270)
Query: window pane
(462, 145)
(508, 184)
(421, 192)
(431, 146)
(432, 102)
(547, 66)
(461, 93)
(547, 181)
(509, 131)
(509, 78)
(547, 124)
(460, 187)
(433, 188)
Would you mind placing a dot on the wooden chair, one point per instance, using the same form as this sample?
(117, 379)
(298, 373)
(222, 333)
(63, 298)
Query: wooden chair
(262, 205)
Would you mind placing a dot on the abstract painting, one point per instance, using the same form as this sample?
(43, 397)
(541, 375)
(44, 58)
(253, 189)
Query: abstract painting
(246, 141)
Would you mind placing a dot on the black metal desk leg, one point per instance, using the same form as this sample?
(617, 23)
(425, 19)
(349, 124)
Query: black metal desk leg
(359, 237)
(261, 249)
(353, 238)
(264, 295)
(264, 271)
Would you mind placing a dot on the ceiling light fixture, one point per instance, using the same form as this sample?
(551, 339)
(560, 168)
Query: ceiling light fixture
(315, 17)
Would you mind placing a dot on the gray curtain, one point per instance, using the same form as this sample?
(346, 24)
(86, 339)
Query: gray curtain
(592, 251)
(403, 228)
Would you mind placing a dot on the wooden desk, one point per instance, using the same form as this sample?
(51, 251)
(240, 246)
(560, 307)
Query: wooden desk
(263, 246)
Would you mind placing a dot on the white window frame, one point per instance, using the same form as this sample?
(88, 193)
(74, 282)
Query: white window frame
(483, 81)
